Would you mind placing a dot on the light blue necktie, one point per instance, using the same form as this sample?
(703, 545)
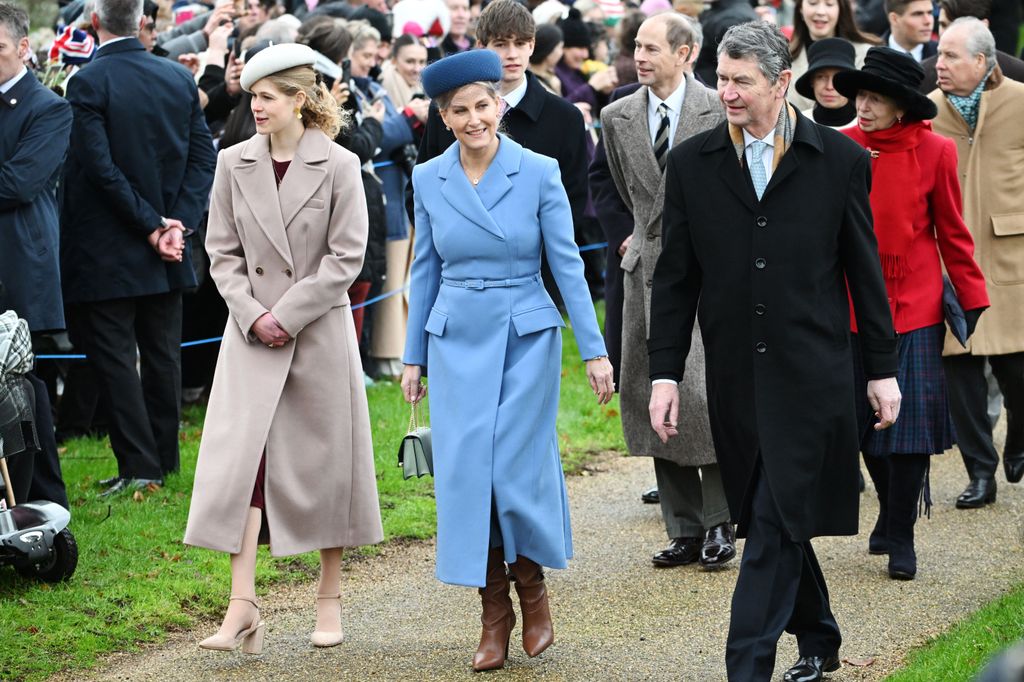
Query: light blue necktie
(757, 171)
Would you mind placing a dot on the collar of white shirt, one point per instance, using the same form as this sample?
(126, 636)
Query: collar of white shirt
(516, 96)
(674, 102)
(4, 87)
(768, 139)
(917, 53)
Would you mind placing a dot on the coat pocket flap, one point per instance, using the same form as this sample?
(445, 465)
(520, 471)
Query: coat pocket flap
(530, 321)
(435, 323)
(315, 203)
(630, 259)
(1008, 224)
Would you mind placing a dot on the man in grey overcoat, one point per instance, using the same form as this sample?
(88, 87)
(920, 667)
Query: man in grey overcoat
(669, 107)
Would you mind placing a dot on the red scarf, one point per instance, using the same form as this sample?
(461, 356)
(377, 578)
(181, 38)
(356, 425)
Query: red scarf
(895, 189)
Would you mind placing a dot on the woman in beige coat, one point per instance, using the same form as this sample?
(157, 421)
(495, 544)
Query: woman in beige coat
(286, 455)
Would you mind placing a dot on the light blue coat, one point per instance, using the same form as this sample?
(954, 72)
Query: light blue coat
(493, 354)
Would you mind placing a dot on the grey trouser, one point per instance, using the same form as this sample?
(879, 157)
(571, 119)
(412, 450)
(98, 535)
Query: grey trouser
(692, 498)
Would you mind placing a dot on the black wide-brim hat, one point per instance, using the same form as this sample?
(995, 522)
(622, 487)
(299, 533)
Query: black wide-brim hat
(893, 74)
(830, 53)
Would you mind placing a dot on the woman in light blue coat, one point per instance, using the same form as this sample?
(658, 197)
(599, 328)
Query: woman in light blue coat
(481, 322)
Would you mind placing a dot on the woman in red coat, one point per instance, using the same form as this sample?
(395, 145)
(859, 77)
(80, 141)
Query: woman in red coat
(916, 202)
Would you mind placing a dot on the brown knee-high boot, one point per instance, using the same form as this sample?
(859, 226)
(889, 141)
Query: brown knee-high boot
(538, 633)
(497, 619)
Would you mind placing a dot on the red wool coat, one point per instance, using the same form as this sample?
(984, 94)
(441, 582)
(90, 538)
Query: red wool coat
(915, 300)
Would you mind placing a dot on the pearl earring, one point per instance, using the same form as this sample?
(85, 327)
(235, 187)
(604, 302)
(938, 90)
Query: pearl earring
(298, 114)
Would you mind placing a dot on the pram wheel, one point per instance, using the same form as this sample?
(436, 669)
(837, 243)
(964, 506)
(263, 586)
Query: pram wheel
(59, 565)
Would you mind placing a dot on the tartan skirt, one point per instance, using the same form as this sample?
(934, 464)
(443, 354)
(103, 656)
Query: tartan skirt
(924, 425)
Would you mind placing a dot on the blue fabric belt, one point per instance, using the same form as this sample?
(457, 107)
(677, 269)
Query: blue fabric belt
(490, 283)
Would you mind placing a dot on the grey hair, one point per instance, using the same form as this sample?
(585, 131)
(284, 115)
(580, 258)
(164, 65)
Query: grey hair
(277, 32)
(120, 17)
(15, 19)
(698, 30)
(678, 31)
(444, 100)
(760, 41)
(979, 39)
(361, 32)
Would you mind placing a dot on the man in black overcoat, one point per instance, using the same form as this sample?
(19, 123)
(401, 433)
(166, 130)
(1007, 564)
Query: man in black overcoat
(34, 128)
(766, 220)
(535, 118)
(137, 180)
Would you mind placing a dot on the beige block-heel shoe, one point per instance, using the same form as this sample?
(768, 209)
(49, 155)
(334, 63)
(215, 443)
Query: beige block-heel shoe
(250, 638)
(322, 639)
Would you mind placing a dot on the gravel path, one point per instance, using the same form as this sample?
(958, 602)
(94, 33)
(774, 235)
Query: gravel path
(616, 617)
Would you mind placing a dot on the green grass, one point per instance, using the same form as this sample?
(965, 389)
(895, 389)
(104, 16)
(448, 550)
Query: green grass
(963, 651)
(136, 582)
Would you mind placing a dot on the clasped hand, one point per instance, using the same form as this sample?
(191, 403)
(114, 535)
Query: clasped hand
(268, 330)
(169, 240)
(412, 390)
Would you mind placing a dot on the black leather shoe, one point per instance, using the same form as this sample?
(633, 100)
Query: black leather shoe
(124, 485)
(719, 546)
(680, 552)
(1013, 466)
(978, 493)
(811, 668)
(651, 496)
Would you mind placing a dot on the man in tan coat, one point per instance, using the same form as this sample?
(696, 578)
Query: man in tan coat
(981, 111)
(639, 131)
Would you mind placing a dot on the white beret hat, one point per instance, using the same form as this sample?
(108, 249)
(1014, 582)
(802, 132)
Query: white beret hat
(273, 59)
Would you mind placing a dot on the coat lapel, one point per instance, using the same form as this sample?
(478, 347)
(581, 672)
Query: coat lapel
(463, 197)
(305, 174)
(729, 167)
(255, 179)
(805, 134)
(635, 133)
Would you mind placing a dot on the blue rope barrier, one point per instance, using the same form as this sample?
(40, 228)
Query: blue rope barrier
(218, 339)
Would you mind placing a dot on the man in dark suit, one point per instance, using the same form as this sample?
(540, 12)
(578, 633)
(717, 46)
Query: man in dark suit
(34, 129)
(136, 183)
(950, 11)
(910, 28)
(535, 118)
(766, 220)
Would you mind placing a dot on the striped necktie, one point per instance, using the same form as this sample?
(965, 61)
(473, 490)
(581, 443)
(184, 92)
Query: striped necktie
(661, 139)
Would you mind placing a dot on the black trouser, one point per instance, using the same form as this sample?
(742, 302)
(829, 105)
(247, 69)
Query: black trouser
(780, 587)
(144, 411)
(35, 475)
(898, 481)
(968, 405)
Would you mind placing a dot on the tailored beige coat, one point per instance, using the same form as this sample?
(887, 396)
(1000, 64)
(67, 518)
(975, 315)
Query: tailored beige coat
(292, 252)
(641, 184)
(991, 166)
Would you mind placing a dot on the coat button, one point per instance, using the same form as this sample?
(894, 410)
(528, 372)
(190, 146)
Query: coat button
(288, 272)
(259, 271)
(760, 308)
(760, 263)
(651, 237)
(762, 221)
(761, 347)
(650, 282)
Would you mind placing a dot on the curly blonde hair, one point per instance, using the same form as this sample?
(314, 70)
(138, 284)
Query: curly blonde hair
(320, 110)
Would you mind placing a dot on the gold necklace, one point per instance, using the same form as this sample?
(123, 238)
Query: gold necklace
(477, 179)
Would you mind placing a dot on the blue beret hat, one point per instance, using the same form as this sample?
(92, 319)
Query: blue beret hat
(459, 69)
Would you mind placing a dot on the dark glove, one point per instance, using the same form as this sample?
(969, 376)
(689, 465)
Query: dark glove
(972, 316)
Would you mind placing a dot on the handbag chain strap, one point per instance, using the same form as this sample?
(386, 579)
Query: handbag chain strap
(412, 416)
